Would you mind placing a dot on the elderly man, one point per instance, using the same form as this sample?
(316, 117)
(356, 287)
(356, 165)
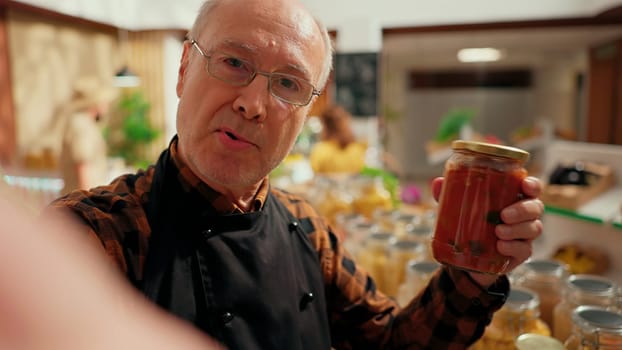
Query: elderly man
(204, 235)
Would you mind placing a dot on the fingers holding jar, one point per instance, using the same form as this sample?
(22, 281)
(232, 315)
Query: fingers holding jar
(521, 220)
(532, 187)
(518, 250)
(521, 224)
(524, 211)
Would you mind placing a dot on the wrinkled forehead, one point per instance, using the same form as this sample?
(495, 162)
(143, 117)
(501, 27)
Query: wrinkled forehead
(287, 32)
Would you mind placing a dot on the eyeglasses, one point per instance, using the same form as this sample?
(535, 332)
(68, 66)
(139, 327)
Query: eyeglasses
(235, 71)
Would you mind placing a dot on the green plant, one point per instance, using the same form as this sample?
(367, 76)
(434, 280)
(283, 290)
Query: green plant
(390, 182)
(129, 137)
(452, 122)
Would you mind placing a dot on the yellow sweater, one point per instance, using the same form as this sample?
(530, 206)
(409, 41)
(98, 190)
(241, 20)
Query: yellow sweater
(328, 158)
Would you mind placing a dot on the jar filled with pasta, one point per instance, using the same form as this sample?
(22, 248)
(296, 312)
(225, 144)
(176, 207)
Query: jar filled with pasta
(356, 233)
(400, 253)
(386, 219)
(546, 278)
(373, 256)
(404, 223)
(581, 290)
(595, 328)
(519, 315)
(418, 274)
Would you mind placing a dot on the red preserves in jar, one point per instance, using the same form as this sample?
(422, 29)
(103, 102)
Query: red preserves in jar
(480, 180)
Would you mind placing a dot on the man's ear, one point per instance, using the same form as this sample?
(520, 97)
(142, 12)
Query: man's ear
(183, 66)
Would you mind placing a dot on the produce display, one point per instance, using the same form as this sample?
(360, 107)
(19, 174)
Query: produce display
(581, 258)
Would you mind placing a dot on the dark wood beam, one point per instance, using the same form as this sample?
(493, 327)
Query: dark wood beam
(600, 20)
(7, 115)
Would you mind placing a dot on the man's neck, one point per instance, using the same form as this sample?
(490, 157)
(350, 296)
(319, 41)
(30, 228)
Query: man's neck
(242, 198)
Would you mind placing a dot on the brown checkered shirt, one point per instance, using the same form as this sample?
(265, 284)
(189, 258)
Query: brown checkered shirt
(450, 313)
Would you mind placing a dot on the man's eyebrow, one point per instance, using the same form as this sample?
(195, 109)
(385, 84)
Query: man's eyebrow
(253, 50)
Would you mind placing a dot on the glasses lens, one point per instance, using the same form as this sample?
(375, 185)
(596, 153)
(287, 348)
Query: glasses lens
(230, 69)
(290, 88)
(238, 72)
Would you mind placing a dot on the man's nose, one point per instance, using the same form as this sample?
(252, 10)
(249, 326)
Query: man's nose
(253, 98)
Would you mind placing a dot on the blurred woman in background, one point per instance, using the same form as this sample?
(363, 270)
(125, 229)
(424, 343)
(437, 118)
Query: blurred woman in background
(338, 151)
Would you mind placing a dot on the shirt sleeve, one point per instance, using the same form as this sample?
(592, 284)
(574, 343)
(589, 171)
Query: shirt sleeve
(113, 216)
(450, 313)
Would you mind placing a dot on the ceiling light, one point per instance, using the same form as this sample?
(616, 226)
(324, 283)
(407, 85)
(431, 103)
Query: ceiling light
(484, 54)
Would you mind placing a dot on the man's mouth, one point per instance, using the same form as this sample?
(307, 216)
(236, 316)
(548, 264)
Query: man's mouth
(235, 140)
(231, 135)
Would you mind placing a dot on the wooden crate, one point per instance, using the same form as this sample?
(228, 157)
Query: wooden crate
(574, 196)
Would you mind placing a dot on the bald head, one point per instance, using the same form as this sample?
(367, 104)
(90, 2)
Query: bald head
(288, 13)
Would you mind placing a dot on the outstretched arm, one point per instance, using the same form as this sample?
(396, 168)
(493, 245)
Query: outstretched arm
(57, 291)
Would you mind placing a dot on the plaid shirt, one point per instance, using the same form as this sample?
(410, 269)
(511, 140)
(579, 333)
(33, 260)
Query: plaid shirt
(450, 313)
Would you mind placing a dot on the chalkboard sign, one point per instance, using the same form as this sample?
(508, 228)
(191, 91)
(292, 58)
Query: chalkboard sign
(356, 82)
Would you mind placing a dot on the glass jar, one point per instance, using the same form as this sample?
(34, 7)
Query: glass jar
(400, 253)
(519, 315)
(581, 290)
(418, 274)
(356, 232)
(330, 199)
(422, 233)
(595, 328)
(403, 223)
(480, 180)
(546, 278)
(386, 219)
(427, 217)
(373, 256)
(532, 341)
(345, 220)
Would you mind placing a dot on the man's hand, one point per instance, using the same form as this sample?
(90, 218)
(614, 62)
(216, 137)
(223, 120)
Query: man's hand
(521, 225)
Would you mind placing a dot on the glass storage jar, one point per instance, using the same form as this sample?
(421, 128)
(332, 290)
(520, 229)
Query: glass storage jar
(400, 252)
(422, 233)
(404, 222)
(595, 328)
(418, 274)
(581, 290)
(386, 219)
(356, 233)
(373, 256)
(480, 180)
(330, 199)
(519, 315)
(546, 278)
(532, 341)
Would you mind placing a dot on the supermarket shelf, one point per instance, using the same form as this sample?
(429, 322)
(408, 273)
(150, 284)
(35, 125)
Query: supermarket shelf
(604, 209)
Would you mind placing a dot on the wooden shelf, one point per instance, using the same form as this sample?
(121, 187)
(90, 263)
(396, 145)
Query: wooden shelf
(603, 209)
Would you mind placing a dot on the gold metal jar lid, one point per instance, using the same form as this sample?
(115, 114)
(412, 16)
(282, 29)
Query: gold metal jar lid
(491, 149)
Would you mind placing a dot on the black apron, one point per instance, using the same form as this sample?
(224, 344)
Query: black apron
(252, 280)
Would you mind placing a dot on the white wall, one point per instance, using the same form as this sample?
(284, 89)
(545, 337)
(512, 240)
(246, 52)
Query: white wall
(164, 14)
(172, 49)
(497, 112)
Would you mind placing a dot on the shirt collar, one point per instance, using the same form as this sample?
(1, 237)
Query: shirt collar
(191, 183)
